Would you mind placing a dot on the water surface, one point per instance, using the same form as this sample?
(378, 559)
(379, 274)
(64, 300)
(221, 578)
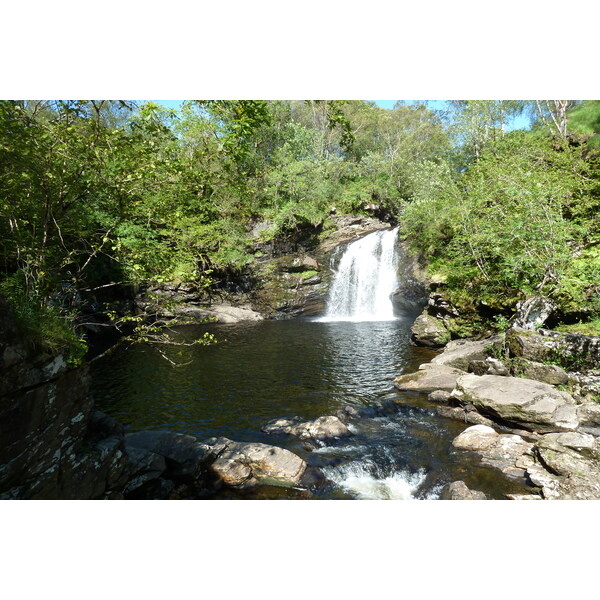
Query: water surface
(264, 370)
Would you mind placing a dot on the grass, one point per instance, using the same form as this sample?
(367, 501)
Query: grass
(587, 328)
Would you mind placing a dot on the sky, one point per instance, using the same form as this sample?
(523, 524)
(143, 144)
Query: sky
(521, 122)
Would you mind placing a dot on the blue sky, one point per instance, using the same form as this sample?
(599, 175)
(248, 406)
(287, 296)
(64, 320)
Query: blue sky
(521, 122)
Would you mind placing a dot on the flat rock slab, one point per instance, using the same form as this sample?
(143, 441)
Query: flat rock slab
(429, 378)
(533, 405)
(459, 353)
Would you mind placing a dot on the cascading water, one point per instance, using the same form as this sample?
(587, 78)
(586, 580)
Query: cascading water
(365, 280)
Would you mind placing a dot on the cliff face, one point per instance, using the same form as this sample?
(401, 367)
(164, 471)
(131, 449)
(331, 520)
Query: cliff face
(52, 443)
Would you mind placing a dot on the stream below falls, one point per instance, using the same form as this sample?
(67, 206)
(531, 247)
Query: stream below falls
(401, 449)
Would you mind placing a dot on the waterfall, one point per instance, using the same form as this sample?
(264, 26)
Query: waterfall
(365, 280)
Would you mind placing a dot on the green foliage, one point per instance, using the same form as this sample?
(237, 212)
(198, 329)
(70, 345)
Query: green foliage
(97, 193)
(48, 326)
(591, 327)
(515, 223)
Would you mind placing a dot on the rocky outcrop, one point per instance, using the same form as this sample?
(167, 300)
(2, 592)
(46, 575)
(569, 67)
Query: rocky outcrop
(317, 432)
(526, 403)
(429, 378)
(559, 465)
(458, 490)
(508, 453)
(571, 351)
(52, 442)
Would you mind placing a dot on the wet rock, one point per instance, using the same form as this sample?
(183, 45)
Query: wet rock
(509, 453)
(459, 413)
(319, 431)
(441, 396)
(240, 464)
(532, 313)
(458, 490)
(429, 331)
(533, 405)
(460, 353)
(428, 378)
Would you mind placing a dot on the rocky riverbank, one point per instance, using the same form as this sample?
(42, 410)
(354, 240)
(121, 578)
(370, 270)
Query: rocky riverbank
(532, 398)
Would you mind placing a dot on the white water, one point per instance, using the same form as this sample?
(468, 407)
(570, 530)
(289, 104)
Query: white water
(365, 280)
(360, 481)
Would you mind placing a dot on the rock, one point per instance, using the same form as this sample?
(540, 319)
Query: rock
(429, 331)
(572, 466)
(441, 396)
(476, 438)
(303, 263)
(523, 497)
(429, 378)
(226, 313)
(320, 430)
(440, 306)
(509, 453)
(533, 405)
(573, 352)
(186, 457)
(589, 418)
(551, 374)
(240, 464)
(496, 367)
(458, 490)
(144, 467)
(458, 413)
(586, 387)
(532, 313)
(460, 353)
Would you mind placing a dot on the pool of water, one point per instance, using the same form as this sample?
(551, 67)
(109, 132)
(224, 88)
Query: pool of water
(264, 370)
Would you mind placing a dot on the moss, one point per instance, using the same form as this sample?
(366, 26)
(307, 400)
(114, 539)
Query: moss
(586, 328)
(308, 274)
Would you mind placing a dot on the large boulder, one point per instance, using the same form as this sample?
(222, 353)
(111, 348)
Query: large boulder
(533, 405)
(509, 453)
(429, 378)
(429, 331)
(318, 431)
(532, 313)
(242, 465)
